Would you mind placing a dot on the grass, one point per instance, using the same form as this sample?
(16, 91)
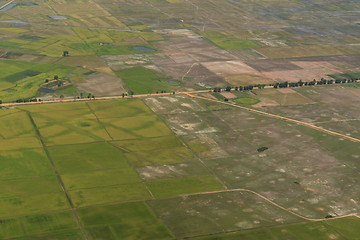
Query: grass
(82, 42)
(109, 194)
(30, 204)
(317, 230)
(23, 79)
(342, 76)
(178, 186)
(154, 151)
(16, 125)
(119, 108)
(60, 225)
(24, 163)
(81, 180)
(146, 125)
(70, 127)
(45, 223)
(123, 221)
(87, 157)
(10, 228)
(230, 44)
(347, 227)
(160, 156)
(142, 80)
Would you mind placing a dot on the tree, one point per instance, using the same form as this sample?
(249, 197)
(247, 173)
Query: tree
(46, 80)
(0, 101)
(65, 53)
(56, 77)
(228, 89)
(123, 95)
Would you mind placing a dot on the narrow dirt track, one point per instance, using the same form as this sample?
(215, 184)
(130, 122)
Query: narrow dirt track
(271, 202)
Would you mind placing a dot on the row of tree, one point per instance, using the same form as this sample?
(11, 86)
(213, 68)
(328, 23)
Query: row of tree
(300, 83)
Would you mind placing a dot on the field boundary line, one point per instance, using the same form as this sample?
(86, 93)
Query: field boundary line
(71, 204)
(280, 117)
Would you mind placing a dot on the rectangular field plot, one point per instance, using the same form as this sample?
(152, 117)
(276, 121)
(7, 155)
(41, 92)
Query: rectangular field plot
(214, 213)
(147, 125)
(178, 186)
(16, 125)
(56, 107)
(123, 221)
(282, 96)
(347, 227)
(118, 108)
(60, 225)
(314, 230)
(159, 156)
(172, 170)
(32, 203)
(69, 127)
(24, 163)
(20, 143)
(155, 151)
(109, 194)
(58, 235)
(10, 228)
(100, 178)
(75, 158)
(24, 196)
(44, 223)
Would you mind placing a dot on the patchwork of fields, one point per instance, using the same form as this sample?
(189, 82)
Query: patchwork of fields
(116, 170)
(179, 166)
(146, 46)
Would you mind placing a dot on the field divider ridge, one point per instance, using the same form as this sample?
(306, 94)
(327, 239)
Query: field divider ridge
(73, 209)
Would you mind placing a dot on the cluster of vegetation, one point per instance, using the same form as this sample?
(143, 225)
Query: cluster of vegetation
(286, 84)
(23, 100)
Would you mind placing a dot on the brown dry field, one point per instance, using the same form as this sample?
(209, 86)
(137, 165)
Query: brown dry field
(228, 95)
(101, 84)
(245, 79)
(307, 72)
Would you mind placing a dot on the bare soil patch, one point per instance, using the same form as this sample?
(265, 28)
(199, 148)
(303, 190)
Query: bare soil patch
(309, 71)
(102, 84)
(230, 68)
(247, 79)
(286, 90)
(228, 95)
(271, 65)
